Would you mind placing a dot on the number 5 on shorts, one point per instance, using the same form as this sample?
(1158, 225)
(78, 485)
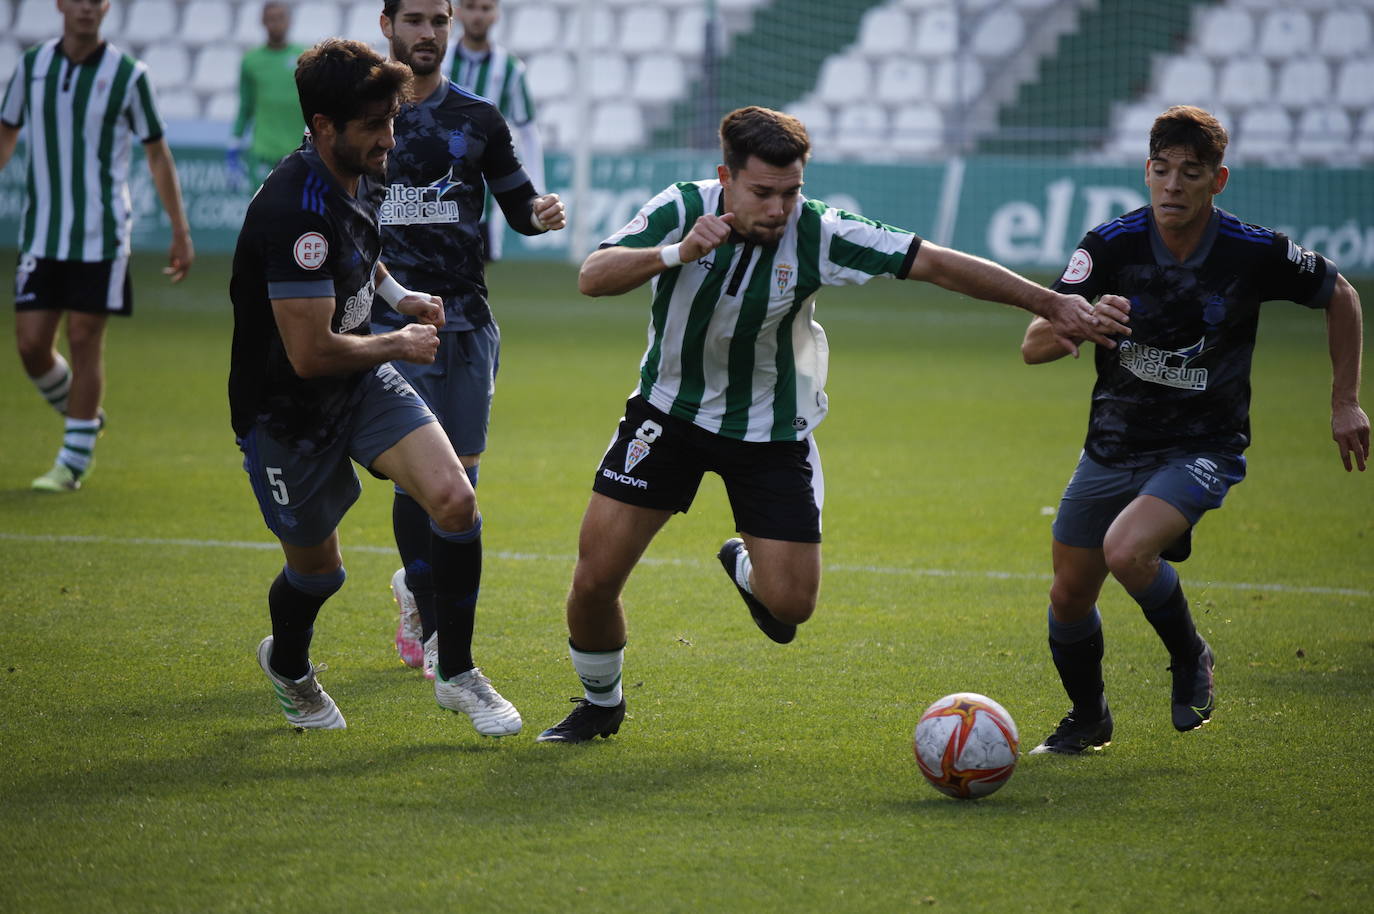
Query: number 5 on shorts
(278, 485)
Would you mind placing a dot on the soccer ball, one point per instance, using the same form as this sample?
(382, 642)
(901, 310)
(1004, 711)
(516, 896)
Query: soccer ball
(966, 745)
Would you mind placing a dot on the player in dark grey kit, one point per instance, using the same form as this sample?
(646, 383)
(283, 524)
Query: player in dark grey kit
(450, 146)
(311, 388)
(1170, 417)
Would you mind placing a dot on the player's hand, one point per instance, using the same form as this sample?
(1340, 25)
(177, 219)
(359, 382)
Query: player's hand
(419, 343)
(708, 233)
(425, 308)
(548, 213)
(1350, 431)
(179, 257)
(1074, 321)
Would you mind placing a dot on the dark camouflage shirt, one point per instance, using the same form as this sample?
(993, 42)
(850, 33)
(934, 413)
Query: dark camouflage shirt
(1180, 384)
(449, 148)
(303, 236)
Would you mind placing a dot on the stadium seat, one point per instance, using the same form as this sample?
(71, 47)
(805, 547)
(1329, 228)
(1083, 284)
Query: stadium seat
(1186, 80)
(602, 34)
(558, 124)
(178, 105)
(149, 21)
(817, 119)
(313, 22)
(1264, 133)
(955, 81)
(1304, 81)
(1285, 33)
(643, 30)
(658, 78)
(248, 31)
(617, 126)
(861, 130)
(168, 64)
(1130, 136)
(901, 80)
(917, 130)
(360, 22)
(1225, 32)
(1245, 81)
(689, 32)
(1355, 85)
(531, 28)
(999, 33)
(884, 31)
(843, 79)
(1344, 33)
(550, 76)
(937, 33)
(35, 21)
(206, 21)
(216, 69)
(1364, 137)
(1324, 134)
(610, 76)
(224, 106)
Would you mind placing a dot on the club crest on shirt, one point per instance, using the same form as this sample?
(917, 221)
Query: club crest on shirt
(634, 453)
(310, 250)
(782, 275)
(1080, 267)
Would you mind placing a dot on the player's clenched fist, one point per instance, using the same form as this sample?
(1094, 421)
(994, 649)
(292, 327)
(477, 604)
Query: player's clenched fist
(547, 213)
(419, 343)
(708, 233)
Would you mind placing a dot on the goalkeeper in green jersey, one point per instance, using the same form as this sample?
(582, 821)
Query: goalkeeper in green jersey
(267, 100)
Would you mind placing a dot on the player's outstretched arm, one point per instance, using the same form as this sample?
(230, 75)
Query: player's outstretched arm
(616, 270)
(1071, 318)
(1344, 337)
(315, 350)
(164, 171)
(1040, 344)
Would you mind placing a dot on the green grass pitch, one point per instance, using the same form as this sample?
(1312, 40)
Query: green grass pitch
(144, 765)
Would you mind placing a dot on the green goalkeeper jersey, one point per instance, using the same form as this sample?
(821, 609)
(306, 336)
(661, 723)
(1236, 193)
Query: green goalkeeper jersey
(269, 103)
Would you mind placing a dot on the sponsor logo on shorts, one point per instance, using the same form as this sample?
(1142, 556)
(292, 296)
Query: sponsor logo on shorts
(623, 479)
(1205, 472)
(310, 251)
(1164, 367)
(1080, 267)
(27, 264)
(634, 453)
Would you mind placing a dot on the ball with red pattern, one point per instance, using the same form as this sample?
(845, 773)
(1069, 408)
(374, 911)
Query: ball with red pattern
(966, 745)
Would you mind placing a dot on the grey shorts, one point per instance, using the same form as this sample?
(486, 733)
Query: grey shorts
(460, 383)
(1096, 494)
(302, 499)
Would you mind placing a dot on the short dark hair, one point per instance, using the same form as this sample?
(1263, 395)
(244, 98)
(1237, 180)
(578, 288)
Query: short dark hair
(340, 78)
(1191, 128)
(389, 8)
(776, 138)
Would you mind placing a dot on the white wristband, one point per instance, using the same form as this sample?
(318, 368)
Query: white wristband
(671, 255)
(392, 291)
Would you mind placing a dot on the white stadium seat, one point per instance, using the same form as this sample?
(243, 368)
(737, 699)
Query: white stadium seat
(901, 80)
(1344, 33)
(884, 30)
(602, 35)
(248, 30)
(1325, 133)
(313, 22)
(1224, 32)
(861, 128)
(149, 21)
(1285, 33)
(178, 105)
(169, 65)
(216, 69)
(1130, 137)
(1364, 137)
(530, 28)
(917, 130)
(224, 106)
(558, 124)
(843, 79)
(1305, 81)
(1245, 81)
(954, 82)
(206, 21)
(937, 33)
(817, 119)
(550, 76)
(643, 29)
(1355, 85)
(36, 20)
(617, 126)
(1264, 133)
(610, 76)
(999, 33)
(1186, 80)
(658, 78)
(689, 31)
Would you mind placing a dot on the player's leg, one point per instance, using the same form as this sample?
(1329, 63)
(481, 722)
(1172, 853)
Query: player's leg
(35, 335)
(86, 342)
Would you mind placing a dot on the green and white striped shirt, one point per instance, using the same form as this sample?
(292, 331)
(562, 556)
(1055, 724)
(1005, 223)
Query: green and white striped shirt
(82, 118)
(733, 346)
(499, 77)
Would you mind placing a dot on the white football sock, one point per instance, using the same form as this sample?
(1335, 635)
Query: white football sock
(78, 444)
(743, 566)
(55, 383)
(600, 674)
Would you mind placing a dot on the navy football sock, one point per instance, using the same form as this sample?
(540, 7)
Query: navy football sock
(457, 562)
(1166, 608)
(410, 525)
(1077, 649)
(294, 601)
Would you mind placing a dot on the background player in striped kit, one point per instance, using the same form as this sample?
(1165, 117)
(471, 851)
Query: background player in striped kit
(267, 100)
(733, 381)
(485, 68)
(84, 101)
(1170, 417)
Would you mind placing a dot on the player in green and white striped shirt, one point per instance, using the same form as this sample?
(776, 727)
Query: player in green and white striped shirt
(733, 382)
(485, 68)
(84, 101)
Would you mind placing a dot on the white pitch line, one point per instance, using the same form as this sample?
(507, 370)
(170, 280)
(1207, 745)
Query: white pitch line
(536, 557)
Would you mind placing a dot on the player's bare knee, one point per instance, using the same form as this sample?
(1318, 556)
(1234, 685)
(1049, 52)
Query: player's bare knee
(793, 605)
(1071, 600)
(454, 509)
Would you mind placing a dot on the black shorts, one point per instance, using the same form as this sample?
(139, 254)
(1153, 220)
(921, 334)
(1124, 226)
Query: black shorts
(98, 287)
(656, 461)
